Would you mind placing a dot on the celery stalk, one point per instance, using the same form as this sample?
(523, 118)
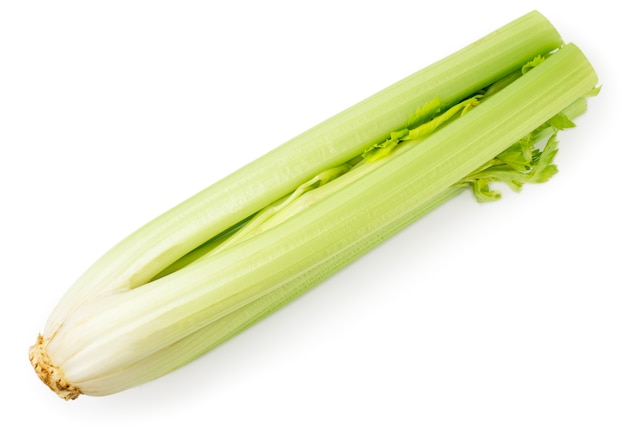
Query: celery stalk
(151, 249)
(164, 316)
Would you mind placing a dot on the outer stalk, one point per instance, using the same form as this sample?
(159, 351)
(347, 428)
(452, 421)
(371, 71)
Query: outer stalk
(141, 256)
(164, 324)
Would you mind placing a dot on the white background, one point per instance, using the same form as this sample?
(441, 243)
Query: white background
(490, 322)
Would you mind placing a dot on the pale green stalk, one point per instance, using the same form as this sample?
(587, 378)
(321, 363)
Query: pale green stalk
(146, 253)
(164, 324)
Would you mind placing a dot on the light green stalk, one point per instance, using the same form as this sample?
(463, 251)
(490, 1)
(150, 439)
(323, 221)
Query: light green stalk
(259, 238)
(150, 250)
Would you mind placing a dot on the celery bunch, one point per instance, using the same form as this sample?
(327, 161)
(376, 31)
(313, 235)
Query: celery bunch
(245, 246)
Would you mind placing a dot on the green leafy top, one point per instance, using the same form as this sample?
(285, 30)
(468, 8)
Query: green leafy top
(422, 123)
(522, 163)
(532, 63)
